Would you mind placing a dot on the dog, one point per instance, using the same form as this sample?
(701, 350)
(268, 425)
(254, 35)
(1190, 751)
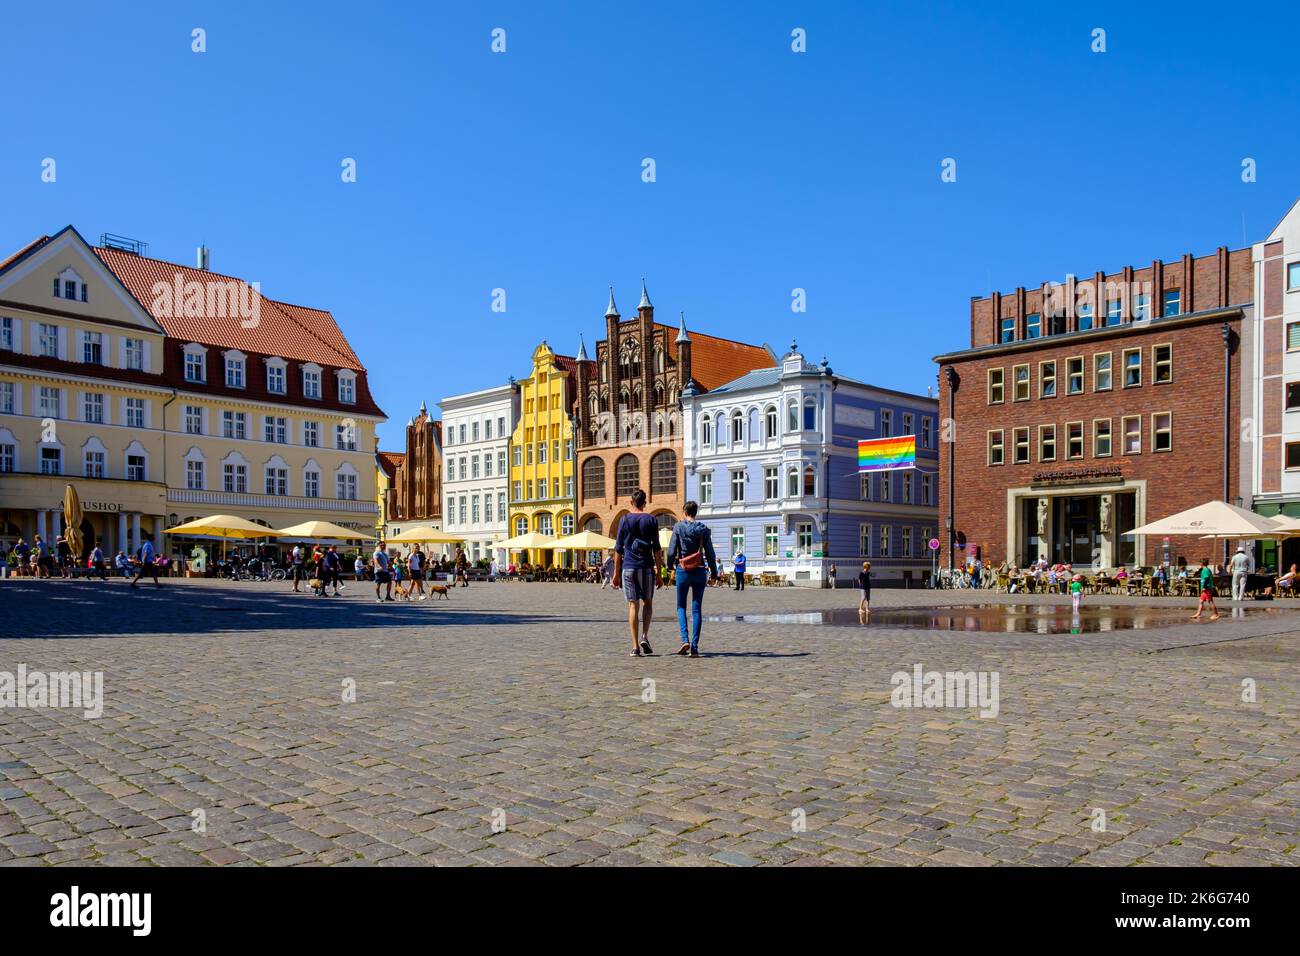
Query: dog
(441, 589)
(317, 586)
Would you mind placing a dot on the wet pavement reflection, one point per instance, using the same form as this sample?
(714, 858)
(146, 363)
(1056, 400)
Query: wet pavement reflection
(1000, 618)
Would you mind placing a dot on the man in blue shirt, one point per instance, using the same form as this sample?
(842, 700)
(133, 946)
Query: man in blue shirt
(638, 558)
(738, 566)
(146, 565)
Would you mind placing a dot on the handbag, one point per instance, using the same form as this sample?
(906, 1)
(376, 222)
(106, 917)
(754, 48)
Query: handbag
(693, 561)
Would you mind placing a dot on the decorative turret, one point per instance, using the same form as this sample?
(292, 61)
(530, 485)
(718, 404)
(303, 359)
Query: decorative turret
(645, 298)
(683, 355)
(612, 310)
(582, 349)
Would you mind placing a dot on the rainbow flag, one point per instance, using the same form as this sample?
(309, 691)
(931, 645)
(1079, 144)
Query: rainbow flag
(887, 454)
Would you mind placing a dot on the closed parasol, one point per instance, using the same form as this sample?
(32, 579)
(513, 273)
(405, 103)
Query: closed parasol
(72, 518)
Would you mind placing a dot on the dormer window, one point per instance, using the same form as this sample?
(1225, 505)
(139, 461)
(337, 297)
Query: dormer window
(196, 360)
(69, 285)
(275, 376)
(311, 381)
(235, 369)
(347, 386)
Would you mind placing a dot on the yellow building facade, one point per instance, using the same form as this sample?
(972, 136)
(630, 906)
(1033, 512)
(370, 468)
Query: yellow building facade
(542, 472)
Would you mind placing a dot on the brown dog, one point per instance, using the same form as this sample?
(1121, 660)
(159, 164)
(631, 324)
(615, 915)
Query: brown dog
(440, 589)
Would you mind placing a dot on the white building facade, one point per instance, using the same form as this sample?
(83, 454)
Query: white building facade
(476, 430)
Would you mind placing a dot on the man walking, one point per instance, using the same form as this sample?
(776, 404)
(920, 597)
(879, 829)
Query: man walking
(333, 570)
(97, 562)
(383, 573)
(146, 565)
(1240, 570)
(690, 551)
(295, 565)
(738, 568)
(638, 558)
(607, 573)
(415, 565)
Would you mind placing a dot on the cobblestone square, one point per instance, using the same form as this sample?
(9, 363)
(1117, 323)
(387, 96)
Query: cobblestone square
(509, 726)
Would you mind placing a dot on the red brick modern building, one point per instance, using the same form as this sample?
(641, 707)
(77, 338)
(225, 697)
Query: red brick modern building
(1086, 408)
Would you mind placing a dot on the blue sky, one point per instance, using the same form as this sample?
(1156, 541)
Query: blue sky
(522, 170)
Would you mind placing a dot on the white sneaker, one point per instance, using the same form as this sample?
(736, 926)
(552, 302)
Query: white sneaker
(424, 597)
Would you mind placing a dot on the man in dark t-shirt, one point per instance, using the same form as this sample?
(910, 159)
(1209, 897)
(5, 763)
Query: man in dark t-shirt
(638, 558)
(864, 592)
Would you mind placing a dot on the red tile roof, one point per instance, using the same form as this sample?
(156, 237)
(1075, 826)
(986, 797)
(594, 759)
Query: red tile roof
(716, 361)
(288, 331)
(34, 244)
(390, 461)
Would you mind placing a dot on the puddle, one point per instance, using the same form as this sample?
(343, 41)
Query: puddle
(1000, 618)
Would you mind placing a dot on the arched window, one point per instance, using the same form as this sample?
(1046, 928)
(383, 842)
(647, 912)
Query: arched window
(659, 359)
(521, 525)
(809, 482)
(593, 478)
(663, 473)
(792, 418)
(566, 523)
(769, 419)
(809, 415)
(593, 525)
(627, 476)
(665, 519)
(706, 431)
(737, 428)
(659, 394)
(545, 523)
(792, 484)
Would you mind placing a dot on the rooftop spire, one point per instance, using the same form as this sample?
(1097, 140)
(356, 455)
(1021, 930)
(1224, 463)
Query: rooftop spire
(582, 349)
(612, 311)
(645, 297)
(681, 331)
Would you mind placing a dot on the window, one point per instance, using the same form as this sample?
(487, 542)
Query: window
(1046, 379)
(515, 491)
(886, 533)
(8, 458)
(803, 537)
(1142, 307)
(47, 340)
(737, 428)
(311, 383)
(706, 431)
(809, 415)
(1020, 451)
(487, 465)
(51, 461)
(886, 423)
(95, 465)
(907, 488)
(566, 524)
(908, 425)
(348, 394)
(194, 477)
(528, 449)
(1132, 368)
(927, 481)
(1292, 397)
(737, 486)
(134, 413)
(92, 348)
(864, 540)
(541, 453)
(275, 383)
(460, 468)
(886, 486)
(907, 542)
(1292, 276)
(997, 390)
(518, 456)
(1047, 443)
(706, 488)
(346, 486)
(1292, 456)
(1114, 311)
(792, 418)
(1074, 375)
(134, 352)
(345, 438)
(1173, 302)
(50, 401)
(277, 481)
(460, 440)
(311, 434)
(1084, 316)
(234, 478)
(1008, 330)
(311, 483)
(275, 429)
(1033, 325)
(461, 516)
(568, 486)
(1020, 383)
(769, 422)
(92, 408)
(501, 463)
(501, 506)
(771, 540)
(737, 540)
(1101, 372)
(1162, 364)
(487, 502)
(809, 482)
(234, 425)
(501, 426)
(663, 473)
(8, 398)
(792, 484)
(473, 435)
(521, 525)
(926, 428)
(568, 449)
(1073, 440)
(6, 333)
(627, 476)
(771, 482)
(194, 367)
(1131, 426)
(1162, 431)
(1101, 438)
(234, 371)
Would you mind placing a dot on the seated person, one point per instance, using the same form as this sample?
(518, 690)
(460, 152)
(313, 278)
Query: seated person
(1288, 580)
(1121, 574)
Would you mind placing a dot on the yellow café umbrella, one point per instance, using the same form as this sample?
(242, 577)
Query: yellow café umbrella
(425, 534)
(527, 542)
(583, 541)
(224, 526)
(72, 518)
(323, 530)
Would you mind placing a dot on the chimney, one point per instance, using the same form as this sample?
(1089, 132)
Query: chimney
(203, 258)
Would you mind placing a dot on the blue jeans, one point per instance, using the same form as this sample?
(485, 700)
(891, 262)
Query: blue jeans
(694, 582)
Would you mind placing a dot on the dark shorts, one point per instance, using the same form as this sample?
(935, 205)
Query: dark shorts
(298, 574)
(417, 575)
(383, 577)
(639, 584)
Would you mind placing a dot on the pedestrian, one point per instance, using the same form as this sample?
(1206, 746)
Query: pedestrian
(607, 573)
(415, 565)
(41, 557)
(1076, 591)
(146, 565)
(1240, 571)
(333, 570)
(738, 569)
(63, 556)
(690, 552)
(1206, 576)
(24, 551)
(864, 593)
(359, 567)
(97, 561)
(637, 559)
(462, 569)
(383, 576)
(296, 567)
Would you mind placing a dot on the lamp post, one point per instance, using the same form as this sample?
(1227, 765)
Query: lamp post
(1226, 333)
(948, 431)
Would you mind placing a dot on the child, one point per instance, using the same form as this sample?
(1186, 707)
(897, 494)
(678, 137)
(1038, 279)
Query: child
(864, 591)
(1206, 574)
(1076, 591)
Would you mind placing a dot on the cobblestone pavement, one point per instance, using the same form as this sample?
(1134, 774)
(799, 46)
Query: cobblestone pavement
(518, 703)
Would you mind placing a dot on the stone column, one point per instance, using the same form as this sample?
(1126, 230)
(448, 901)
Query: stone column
(40, 524)
(135, 532)
(121, 543)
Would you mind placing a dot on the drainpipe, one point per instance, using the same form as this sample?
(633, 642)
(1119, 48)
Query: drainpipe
(164, 453)
(1226, 332)
(950, 376)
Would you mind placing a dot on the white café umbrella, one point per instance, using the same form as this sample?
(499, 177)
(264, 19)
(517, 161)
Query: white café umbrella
(1214, 519)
